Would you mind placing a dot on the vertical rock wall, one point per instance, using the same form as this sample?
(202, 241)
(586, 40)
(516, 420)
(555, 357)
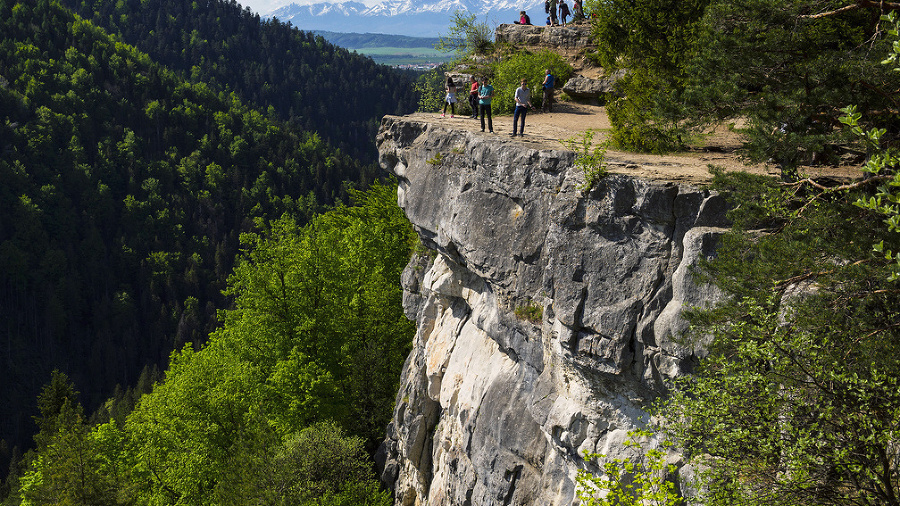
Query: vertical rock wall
(546, 316)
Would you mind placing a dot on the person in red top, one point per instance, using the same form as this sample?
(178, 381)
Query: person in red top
(473, 98)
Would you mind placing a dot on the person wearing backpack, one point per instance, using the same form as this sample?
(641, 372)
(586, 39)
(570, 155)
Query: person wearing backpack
(547, 86)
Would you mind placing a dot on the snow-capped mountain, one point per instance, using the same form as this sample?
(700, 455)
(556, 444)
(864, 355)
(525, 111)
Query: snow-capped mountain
(426, 18)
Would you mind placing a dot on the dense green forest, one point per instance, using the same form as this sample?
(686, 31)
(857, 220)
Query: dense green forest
(124, 191)
(284, 403)
(307, 81)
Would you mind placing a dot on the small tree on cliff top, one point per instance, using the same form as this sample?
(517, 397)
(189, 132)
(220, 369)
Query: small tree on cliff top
(466, 36)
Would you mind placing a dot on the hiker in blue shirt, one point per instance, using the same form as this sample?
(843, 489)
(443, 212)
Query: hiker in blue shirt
(547, 85)
(485, 93)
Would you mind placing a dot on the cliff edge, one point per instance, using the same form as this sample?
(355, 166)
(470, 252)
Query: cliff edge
(547, 317)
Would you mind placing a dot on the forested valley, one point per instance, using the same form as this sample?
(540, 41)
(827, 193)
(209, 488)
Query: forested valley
(134, 186)
(306, 81)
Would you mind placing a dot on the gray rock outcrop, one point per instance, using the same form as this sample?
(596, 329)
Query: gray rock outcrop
(547, 317)
(571, 36)
(583, 87)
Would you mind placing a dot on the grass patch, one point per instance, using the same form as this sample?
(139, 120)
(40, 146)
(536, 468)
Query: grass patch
(530, 311)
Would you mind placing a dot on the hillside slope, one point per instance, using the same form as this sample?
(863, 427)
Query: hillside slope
(124, 191)
(304, 79)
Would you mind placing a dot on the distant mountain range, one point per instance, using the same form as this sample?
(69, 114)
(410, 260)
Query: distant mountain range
(425, 18)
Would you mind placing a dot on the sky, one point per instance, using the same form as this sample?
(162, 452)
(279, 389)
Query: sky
(266, 6)
(262, 6)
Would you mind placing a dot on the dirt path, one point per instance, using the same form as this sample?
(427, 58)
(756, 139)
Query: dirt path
(568, 120)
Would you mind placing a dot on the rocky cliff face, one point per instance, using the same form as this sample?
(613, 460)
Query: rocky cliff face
(546, 316)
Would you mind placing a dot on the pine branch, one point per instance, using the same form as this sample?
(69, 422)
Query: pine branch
(860, 4)
(845, 187)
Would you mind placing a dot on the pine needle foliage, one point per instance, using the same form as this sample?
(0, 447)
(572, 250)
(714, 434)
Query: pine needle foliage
(798, 401)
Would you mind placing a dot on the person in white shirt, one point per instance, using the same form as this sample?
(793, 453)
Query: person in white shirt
(523, 102)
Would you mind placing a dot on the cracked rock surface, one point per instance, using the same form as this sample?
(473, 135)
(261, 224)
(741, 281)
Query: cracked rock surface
(547, 317)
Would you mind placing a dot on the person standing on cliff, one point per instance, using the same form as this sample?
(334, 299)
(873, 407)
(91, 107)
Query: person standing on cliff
(553, 20)
(577, 11)
(485, 93)
(523, 102)
(563, 11)
(473, 98)
(547, 86)
(450, 99)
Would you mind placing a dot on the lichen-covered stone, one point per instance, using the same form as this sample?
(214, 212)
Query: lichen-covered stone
(546, 321)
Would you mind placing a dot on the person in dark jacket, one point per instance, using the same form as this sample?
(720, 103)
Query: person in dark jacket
(473, 97)
(563, 11)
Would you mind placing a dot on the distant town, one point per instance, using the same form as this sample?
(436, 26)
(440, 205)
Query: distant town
(418, 66)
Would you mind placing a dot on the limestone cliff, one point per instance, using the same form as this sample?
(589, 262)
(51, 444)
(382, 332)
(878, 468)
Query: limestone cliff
(545, 315)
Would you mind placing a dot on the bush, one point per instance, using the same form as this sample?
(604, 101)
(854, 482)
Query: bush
(589, 158)
(623, 482)
(318, 465)
(531, 66)
(637, 122)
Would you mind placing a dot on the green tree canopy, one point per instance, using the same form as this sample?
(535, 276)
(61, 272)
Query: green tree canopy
(786, 68)
(652, 40)
(303, 372)
(466, 36)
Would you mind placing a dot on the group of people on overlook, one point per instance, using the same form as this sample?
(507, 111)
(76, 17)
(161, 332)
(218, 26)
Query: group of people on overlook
(481, 93)
(552, 7)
